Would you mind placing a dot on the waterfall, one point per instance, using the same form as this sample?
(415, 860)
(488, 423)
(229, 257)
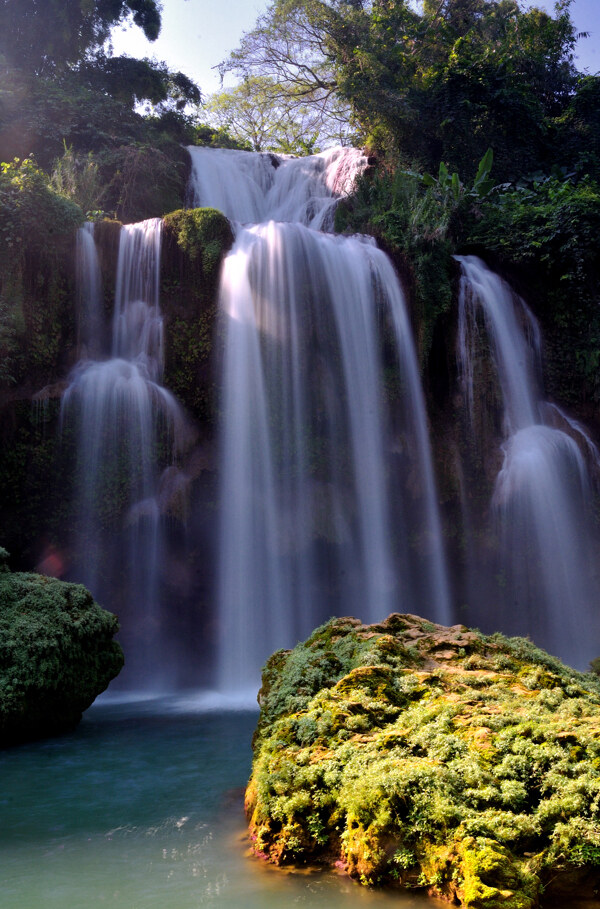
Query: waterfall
(540, 504)
(89, 291)
(123, 419)
(328, 502)
(251, 187)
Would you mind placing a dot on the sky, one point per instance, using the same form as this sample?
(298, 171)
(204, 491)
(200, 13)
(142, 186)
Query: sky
(197, 35)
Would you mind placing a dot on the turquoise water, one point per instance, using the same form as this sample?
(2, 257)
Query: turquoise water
(141, 807)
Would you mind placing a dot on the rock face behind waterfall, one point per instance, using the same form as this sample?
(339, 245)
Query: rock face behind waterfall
(417, 755)
(57, 654)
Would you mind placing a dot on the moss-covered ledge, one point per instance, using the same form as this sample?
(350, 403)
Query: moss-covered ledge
(195, 241)
(416, 755)
(57, 654)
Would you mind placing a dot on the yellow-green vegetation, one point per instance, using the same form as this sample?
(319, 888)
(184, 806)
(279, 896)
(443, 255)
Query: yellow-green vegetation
(57, 654)
(423, 756)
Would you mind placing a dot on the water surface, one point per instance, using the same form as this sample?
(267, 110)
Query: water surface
(141, 807)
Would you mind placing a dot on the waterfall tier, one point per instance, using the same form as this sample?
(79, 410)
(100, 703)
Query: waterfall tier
(546, 587)
(328, 500)
(124, 419)
(250, 187)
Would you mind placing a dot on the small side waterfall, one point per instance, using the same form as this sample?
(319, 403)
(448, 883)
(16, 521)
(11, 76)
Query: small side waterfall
(125, 422)
(89, 291)
(328, 500)
(540, 504)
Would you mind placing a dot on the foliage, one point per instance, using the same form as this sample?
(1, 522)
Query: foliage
(194, 244)
(449, 184)
(143, 180)
(30, 209)
(253, 114)
(42, 36)
(216, 137)
(56, 654)
(7, 343)
(37, 467)
(66, 99)
(287, 50)
(203, 233)
(132, 81)
(425, 84)
(44, 116)
(430, 757)
(547, 228)
(576, 132)
(412, 220)
(77, 177)
(32, 213)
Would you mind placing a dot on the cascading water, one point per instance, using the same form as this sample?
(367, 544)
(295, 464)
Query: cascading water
(328, 502)
(541, 498)
(89, 292)
(123, 417)
(251, 188)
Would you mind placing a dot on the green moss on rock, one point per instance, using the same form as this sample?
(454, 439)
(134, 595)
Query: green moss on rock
(195, 242)
(204, 235)
(432, 757)
(57, 654)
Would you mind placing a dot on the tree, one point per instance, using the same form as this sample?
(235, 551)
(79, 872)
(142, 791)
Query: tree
(254, 113)
(288, 51)
(133, 81)
(444, 80)
(45, 36)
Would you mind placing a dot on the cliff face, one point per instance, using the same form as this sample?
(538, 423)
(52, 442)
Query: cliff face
(39, 345)
(416, 755)
(57, 654)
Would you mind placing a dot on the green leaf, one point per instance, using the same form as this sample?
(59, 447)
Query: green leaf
(485, 166)
(455, 186)
(484, 187)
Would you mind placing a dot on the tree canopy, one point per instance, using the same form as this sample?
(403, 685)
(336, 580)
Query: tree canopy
(131, 81)
(66, 101)
(256, 113)
(425, 81)
(43, 36)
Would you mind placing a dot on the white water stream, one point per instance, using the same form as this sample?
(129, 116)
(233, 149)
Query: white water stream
(328, 500)
(122, 415)
(548, 586)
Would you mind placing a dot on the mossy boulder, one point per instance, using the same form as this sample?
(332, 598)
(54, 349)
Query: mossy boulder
(57, 654)
(416, 755)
